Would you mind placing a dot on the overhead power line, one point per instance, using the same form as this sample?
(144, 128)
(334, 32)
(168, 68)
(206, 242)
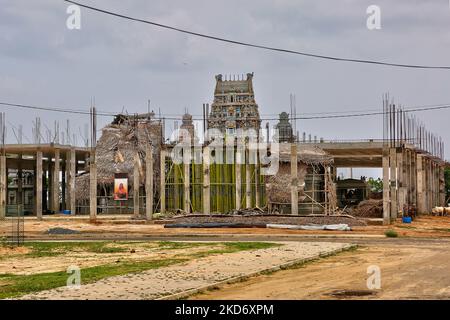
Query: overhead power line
(253, 45)
(325, 116)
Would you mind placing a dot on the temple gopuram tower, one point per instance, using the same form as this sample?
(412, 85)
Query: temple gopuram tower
(234, 105)
(285, 133)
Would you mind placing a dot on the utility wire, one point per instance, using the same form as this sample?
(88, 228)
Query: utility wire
(329, 116)
(258, 46)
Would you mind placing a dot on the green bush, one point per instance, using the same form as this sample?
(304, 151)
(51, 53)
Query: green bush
(391, 234)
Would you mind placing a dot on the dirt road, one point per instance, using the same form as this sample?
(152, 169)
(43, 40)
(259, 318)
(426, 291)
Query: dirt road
(419, 271)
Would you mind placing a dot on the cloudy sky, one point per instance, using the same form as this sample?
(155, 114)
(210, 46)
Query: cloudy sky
(123, 64)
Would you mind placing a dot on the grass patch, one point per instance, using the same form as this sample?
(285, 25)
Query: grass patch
(441, 229)
(50, 249)
(391, 233)
(17, 285)
(172, 245)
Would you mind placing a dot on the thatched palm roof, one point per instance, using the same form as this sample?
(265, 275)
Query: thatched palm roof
(308, 154)
(116, 150)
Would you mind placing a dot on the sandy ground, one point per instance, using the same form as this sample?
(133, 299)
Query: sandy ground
(122, 228)
(407, 272)
(193, 274)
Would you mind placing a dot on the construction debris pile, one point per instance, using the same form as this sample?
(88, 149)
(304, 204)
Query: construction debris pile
(277, 186)
(372, 208)
(261, 220)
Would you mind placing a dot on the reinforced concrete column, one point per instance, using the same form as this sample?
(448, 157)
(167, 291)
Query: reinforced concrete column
(206, 182)
(442, 186)
(162, 182)
(421, 201)
(55, 189)
(66, 184)
(386, 188)
(187, 179)
(437, 185)
(3, 186)
(393, 182)
(294, 180)
(248, 180)
(38, 177)
(428, 186)
(136, 185)
(238, 162)
(71, 176)
(149, 182)
(93, 187)
(257, 182)
(401, 194)
(413, 178)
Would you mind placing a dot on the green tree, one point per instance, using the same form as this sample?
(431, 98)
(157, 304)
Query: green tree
(375, 185)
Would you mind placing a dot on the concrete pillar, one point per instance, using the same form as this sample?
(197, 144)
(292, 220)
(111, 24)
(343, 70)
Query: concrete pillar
(162, 187)
(187, 180)
(50, 183)
(72, 173)
(239, 156)
(248, 180)
(437, 201)
(386, 188)
(428, 185)
(3, 186)
(149, 182)
(413, 178)
(257, 183)
(421, 201)
(55, 189)
(206, 182)
(294, 180)
(38, 177)
(402, 197)
(93, 187)
(393, 182)
(19, 186)
(408, 180)
(442, 194)
(64, 182)
(176, 186)
(136, 184)
(437, 185)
